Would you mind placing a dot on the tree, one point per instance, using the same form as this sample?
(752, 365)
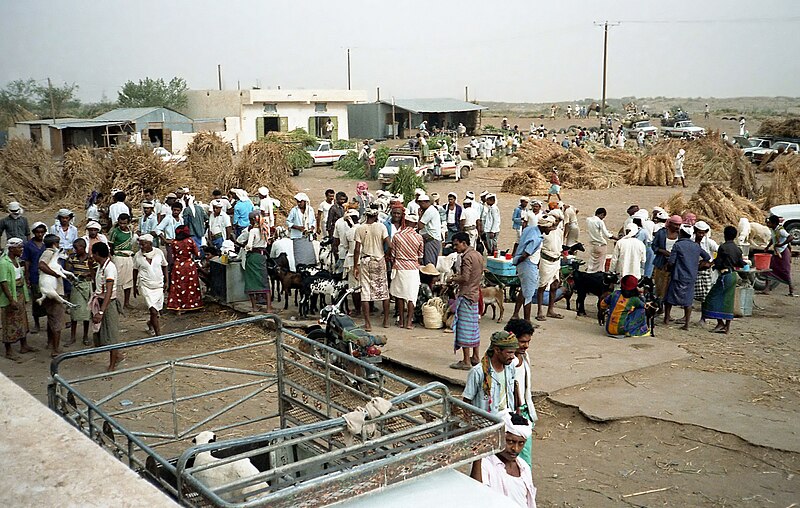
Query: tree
(154, 92)
(62, 97)
(17, 102)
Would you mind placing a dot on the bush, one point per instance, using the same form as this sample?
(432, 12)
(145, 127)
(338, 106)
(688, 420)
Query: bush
(345, 144)
(381, 154)
(298, 157)
(406, 183)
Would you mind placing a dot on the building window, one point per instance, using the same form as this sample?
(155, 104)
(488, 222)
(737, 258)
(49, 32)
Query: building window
(270, 108)
(321, 107)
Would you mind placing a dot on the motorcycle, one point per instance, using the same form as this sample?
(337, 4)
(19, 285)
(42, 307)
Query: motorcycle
(337, 330)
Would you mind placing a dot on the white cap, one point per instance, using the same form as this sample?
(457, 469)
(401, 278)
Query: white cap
(689, 230)
(423, 197)
(38, 225)
(418, 191)
(491, 195)
(147, 237)
(263, 191)
(702, 225)
(301, 196)
(93, 225)
(14, 206)
(353, 212)
(411, 217)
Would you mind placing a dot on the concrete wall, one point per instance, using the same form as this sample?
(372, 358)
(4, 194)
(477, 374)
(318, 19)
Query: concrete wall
(214, 103)
(19, 131)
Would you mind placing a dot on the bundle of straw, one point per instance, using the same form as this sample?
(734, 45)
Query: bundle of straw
(785, 186)
(28, 174)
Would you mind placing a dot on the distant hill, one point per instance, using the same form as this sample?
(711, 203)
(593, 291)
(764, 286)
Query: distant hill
(749, 106)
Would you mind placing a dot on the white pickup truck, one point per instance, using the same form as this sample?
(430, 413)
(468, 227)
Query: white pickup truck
(324, 154)
(423, 169)
(684, 127)
(791, 219)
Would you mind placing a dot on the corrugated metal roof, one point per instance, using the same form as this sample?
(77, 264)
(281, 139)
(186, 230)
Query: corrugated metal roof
(46, 121)
(443, 105)
(84, 124)
(127, 114)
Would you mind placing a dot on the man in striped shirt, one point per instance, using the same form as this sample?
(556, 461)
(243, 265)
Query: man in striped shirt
(407, 251)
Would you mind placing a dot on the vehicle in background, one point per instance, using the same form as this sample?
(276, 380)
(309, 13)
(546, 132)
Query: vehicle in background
(323, 153)
(641, 126)
(681, 129)
(776, 148)
(423, 169)
(166, 156)
(791, 219)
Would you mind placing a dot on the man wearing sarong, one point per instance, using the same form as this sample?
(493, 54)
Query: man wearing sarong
(549, 271)
(256, 278)
(107, 307)
(407, 249)
(685, 259)
(720, 301)
(781, 262)
(465, 325)
(526, 259)
(369, 266)
(121, 241)
(80, 263)
(506, 472)
(702, 235)
(302, 225)
(490, 383)
(430, 224)
(149, 276)
(13, 295)
(663, 241)
(598, 237)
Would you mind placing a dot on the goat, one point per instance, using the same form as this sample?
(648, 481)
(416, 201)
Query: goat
(48, 285)
(652, 303)
(583, 284)
(319, 284)
(217, 476)
(288, 281)
(493, 297)
(445, 266)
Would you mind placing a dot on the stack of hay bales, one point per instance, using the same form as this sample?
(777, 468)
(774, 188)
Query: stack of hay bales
(525, 183)
(789, 128)
(28, 174)
(208, 158)
(576, 168)
(785, 186)
(718, 205)
(652, 169)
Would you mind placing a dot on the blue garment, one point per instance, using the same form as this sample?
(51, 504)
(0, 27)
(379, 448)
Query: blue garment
(659, 242)
(516, 219)
(530, 242)
(684, 260)
(528, 274)
(241, 213)
(32, 253)
(650, 255)
(295, 218)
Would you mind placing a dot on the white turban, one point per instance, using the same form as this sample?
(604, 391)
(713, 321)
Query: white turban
(217, 202)
(263, 191)
(14, 242)
(241, 194)
(147, 237)
(546, 221)
(523, 431)
(631, 230)
(301, 196)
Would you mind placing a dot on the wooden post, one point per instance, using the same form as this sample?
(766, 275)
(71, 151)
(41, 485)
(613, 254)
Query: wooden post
(52, 104)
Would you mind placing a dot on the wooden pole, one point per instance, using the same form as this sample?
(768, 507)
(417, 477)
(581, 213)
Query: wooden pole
(466, 94)
(52, 104)
(603, 100)
(394, 120)
(219, 75)
(348, 68)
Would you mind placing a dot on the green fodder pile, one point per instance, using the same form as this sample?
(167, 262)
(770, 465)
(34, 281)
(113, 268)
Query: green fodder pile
(576, 168)
(785, 186)
(28, 174)
(788, 128)
(525, 183)
(718, 205)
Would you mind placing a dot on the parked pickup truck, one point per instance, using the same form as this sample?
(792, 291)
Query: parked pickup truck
(682, 128)
(637, 127)
(756, 155)
(324, 154)
(423, 169)
(166, 156)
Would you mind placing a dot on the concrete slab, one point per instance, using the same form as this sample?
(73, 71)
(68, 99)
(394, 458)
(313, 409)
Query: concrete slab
(47, 462)
(564, 352)
(720, 401)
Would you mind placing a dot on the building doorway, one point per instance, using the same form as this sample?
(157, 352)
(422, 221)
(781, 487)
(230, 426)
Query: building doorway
(267, 124)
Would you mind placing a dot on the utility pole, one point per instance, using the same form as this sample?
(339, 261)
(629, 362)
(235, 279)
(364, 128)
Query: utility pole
(219, 75)
(394, 120)
(605, 63)
(52, 104)
(348, 68)
(466, 94)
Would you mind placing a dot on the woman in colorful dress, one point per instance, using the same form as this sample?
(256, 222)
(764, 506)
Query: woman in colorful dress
(13, 295)
(625, 310)
(184, 287)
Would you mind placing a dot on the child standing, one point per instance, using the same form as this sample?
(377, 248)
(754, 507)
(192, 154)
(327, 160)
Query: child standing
(555, 185)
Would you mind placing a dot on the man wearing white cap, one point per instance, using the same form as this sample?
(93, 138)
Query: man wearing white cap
(470, 222)
(491, 224)
(431, 229)
(302, 224)
(267, 205)
(149, 276)
(344, 237)
(413, 205)
(148, 221)
(571, 228)
(506, 472)
(683, 262)
(526, 259)
(369, 265)
(679, 159)
(519, 213)
(219, 224)
(702, 236)
(66, 232)
(407, 250)
(241, 211)
(629, 254)
(14, 225)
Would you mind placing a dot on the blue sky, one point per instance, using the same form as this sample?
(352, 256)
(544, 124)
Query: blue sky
(516, 51)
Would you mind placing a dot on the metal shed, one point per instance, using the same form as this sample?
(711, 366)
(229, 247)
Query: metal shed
(380, 120)
(154, 123)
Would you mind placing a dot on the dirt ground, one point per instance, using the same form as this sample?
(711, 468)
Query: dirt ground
(579, 462)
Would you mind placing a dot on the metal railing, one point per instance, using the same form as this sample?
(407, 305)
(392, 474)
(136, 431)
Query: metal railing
(311, 458)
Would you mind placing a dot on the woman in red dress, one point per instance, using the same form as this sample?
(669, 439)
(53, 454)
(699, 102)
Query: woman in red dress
(184, 288)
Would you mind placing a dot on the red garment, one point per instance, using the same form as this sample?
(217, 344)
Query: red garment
(184, 289)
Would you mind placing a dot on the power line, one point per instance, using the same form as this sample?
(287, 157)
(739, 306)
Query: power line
(785, 19)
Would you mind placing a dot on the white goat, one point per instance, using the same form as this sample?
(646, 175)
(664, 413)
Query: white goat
(224, 474)
(48, 285)
(753, 233)
(445, 265)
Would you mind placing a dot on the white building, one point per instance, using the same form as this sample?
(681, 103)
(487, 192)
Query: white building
(251, 114)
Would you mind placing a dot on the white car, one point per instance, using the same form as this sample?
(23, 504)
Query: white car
(791, 219)
(166, 156)
(324, 154)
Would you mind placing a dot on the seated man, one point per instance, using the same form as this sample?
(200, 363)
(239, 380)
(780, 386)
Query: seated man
(506, 472)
